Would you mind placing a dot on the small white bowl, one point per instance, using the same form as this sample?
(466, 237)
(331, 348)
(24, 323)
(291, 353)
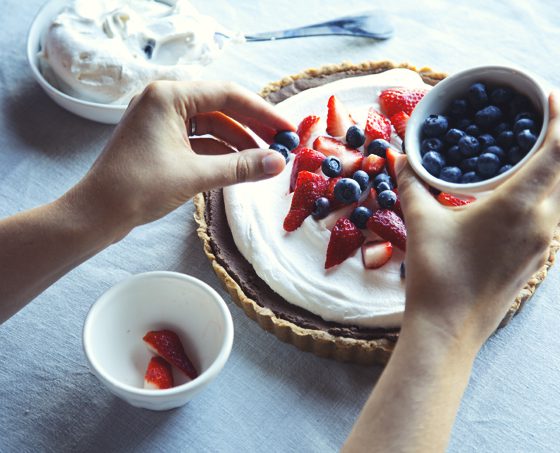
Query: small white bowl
(117, 321)
(102, 113)
(438, 100)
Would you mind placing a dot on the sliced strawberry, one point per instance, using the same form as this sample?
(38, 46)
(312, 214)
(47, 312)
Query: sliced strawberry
(395, 100)
(377, 126)
(391, 157)
(399, 120)
(158, 375)
(329, 194)
(376, 254)
(338, 118)
(305, 130)
(389, 226)
(309, 187)
(167, 344)
(307, 159)
(345, 239)
(447, 199)
(371, 201)
(373, 164)
(350, 158)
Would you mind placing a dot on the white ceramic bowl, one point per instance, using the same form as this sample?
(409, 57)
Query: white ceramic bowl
(103, 113)
(439, 98)
(117, 321)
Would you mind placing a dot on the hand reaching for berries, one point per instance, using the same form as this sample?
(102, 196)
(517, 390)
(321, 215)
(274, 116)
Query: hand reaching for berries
(149, 167)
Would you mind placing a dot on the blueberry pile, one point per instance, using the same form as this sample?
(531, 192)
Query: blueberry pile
(479, 136)
(285, 142)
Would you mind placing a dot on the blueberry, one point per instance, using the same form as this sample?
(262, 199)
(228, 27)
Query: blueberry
(387, 199)
(435, 126)
(403, 270)
(331, 166)
(454, 155)
(383, 186)
(321, 208)
(486, 140)
(523, 123)
(433, 162)
(497, 151)
(355, 136)
(360, 216)
(378, 147)
(526, 139)
(451, 174)
(382, 177)
(505, 168)
(473, 130)
(505, 139)
(463, 124)
(347, 191)
(469, 146)
(477, 95)
(488, 165)
(469, 164)
(362, 178)
(501, 127)
(453, 136)
(287, 138)
(149, 48)
(488, 117)
(525, 115)
(430, 144)
(515, 154)
(469, 177)
(501, 95)
(281, 149)
(459, 107)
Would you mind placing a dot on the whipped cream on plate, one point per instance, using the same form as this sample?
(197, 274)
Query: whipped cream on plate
(292, 264)
(108, 50)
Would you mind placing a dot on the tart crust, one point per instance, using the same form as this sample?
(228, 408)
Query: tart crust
(344, 343)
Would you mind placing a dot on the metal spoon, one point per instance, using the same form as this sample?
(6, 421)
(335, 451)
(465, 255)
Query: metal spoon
(370, 24)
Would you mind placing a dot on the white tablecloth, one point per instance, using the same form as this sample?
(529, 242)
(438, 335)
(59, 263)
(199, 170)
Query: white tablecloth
(270, 396)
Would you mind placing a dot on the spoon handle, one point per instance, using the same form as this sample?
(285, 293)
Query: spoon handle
(373, 24)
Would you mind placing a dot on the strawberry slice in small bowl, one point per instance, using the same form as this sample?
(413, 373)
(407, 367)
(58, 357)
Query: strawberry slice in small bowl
(167, 344)
(159, 375)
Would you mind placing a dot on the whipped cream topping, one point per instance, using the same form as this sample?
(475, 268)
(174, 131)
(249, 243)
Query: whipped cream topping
(108, 50)
(292, 264)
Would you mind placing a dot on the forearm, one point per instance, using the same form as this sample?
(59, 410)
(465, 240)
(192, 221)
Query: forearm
(414, 403)
(39, 246)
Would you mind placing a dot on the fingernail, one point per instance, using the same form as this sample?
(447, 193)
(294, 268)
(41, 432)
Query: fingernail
(273, 163)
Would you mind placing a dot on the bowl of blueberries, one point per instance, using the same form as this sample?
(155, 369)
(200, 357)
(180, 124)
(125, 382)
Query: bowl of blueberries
(474, 129)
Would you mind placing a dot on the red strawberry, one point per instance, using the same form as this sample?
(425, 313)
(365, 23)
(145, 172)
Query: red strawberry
(350, 158)
(389, 226)
(307, 159)
(376, 254)
(377, 126)
(391, 156)
(345, 240)
(395, 100)
(158, 375)
(309, 187)
(329, 193)
(167, 344)
(306, 129)
(373, 164)
(447, 199)
(338, 118)
(399, 121)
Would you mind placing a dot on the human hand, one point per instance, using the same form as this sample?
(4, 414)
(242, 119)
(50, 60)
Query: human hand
(151, 166)
(466, 265)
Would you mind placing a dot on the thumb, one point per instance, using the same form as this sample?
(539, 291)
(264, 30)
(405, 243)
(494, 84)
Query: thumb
(247, 165)
(412, 191)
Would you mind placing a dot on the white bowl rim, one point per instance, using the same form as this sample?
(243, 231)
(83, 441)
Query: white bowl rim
(204, 377)
(31, 55)
(491, 183)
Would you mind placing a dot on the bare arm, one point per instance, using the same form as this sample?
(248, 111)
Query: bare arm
(464, 267)
(149, 168)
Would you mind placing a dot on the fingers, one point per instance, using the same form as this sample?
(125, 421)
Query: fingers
(224, 128)
(412, 192)
(210, 147)
(541, 174)
(249, 165)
